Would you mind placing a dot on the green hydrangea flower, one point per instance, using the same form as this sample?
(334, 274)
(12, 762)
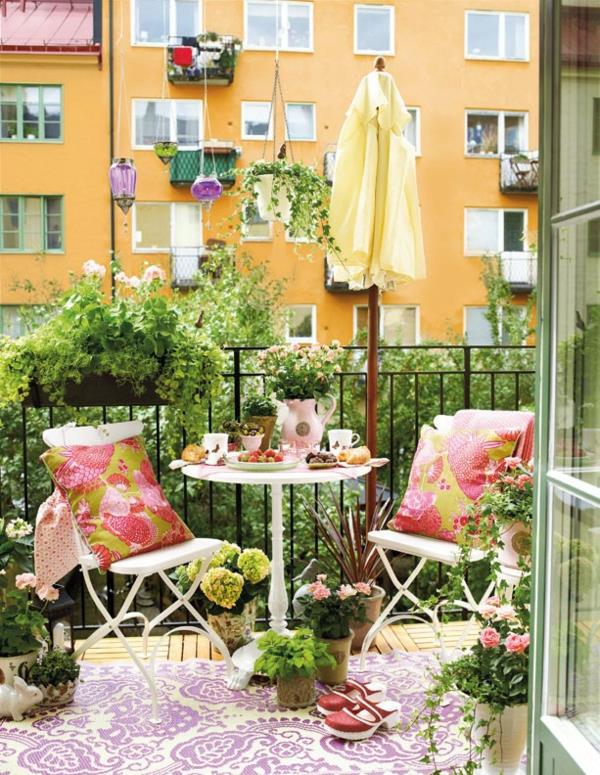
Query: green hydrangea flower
(254, 564)
(192, 569)
(227, 553)
(222, 587)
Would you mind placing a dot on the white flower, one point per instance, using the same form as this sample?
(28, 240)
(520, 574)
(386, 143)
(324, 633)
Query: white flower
(153, 272)
(18, 528)
(506, 612)
(94, 269)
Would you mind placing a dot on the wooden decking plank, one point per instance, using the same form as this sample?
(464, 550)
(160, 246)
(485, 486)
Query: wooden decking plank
(401, 634)
(190, 646)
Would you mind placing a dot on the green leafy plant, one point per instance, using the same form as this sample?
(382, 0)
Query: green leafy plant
(300, 655)
(16, 546)
(258, 405)
(22, 627)
(54, 668)
(301, 370)
(328, 610)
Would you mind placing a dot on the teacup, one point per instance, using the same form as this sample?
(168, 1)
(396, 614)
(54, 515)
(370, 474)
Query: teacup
(216, 445)
(342, 438)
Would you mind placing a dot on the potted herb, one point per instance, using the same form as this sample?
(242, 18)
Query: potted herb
(22, 632)
(229, 589)
(57, 675)
(261, 409)
(293, 662)
(328, 611)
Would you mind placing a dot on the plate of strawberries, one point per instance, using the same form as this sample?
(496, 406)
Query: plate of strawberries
(260, 460)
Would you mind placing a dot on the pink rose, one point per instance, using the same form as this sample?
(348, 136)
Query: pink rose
(319, 591)
(506, 613)
(25, 580)
(362, 588)
(523, 479)
(493, 600)
(152, 273)
(516, 644)
(345, 591)
(489, 638)
(321, 577)
(511, 462)
(487, 610)
(47, 592)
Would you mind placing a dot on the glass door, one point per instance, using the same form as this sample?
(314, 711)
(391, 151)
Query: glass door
(565, 693)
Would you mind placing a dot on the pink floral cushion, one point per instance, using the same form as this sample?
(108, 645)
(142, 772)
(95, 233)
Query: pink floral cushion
(117, 502)
(449, 471)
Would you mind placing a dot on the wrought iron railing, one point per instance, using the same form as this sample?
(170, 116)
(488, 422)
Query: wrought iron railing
(192, 59)
(219, 160)
(520, 270)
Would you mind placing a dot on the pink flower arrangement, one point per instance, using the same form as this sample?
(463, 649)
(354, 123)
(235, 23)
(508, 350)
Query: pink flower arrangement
(489, 638)
(329, 610)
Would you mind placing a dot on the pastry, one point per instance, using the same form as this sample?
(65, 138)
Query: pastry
(193, 453)
(321, 457)
(358, 456)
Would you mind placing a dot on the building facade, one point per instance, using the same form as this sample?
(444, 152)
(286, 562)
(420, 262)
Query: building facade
(467, 71)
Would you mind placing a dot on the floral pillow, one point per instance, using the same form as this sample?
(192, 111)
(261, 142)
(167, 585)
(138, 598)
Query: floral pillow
(117, 502)
(449, 471)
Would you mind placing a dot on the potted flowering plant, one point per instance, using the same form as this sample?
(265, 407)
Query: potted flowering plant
(16, 544)
(22, 631)
(229, 589)
(328, 611)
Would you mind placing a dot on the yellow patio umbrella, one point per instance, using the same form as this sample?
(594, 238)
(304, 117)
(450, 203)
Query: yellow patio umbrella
(374, 212)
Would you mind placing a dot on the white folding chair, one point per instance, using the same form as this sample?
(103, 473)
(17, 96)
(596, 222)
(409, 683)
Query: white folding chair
(140, 566)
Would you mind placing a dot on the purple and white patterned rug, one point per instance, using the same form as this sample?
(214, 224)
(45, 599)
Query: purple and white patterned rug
(206, 729)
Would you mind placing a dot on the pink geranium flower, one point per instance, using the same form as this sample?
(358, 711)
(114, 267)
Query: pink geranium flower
(489, 638)
(512, 462)
(516, 644)
(152, 273)
(25, 581)
(47, 592)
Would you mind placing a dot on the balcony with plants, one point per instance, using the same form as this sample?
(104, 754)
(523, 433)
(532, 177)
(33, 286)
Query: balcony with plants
(207, 57)
(219, 160)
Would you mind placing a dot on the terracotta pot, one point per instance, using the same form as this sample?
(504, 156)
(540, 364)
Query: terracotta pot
(268, 424)
(509, 733)
(235, 629)
(517, 543)
(373, 609)
(17, 665)
(296, 692)
(340, 651)
(59, 694)
(303, 426)
(264, 193)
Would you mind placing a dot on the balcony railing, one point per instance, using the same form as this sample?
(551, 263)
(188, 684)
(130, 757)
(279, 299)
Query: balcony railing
(334, 286)
(219, 159)
(191, 60)
(519, 173)
(186, 262)
(520, 271)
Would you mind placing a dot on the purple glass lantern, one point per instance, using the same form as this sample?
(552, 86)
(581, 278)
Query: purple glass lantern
(122, 177)
(205, 189)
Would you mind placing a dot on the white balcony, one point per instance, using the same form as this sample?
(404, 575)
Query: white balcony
(520, 271)
(519, 172)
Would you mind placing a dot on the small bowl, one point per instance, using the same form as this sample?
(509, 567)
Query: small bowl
(252, 443)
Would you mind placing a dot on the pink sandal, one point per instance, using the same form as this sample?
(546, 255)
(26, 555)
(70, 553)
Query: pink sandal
(348, 694)
(362, 720)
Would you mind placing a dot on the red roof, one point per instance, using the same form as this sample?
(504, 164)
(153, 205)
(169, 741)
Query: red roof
(47, 26)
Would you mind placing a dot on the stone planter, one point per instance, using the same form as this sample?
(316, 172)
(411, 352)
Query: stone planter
(264, 192)
(18, 665)
(296, 692)
(235, 629)
(517, 544)
(509, 733)
(373, 609)
(340, 651)
(59, 694)
(268, 424)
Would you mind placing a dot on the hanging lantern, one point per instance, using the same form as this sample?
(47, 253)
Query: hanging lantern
(166, 150)
(206, 189)
(122, 177)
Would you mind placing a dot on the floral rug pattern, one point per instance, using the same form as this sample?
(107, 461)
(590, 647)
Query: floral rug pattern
(207, 729)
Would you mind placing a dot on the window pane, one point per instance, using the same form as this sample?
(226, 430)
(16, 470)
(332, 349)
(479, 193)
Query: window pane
(478, 330)
(254, 227)
(31, 112)
(261, 29)
(298, 27)
(483, 231)
(53, 223)
(10, 222)
(514, 134)
(577, 401)
(151, 21)
(514, 31)
(152, 122)
(300, 120)
(514, 232)
(483, 34)
(482, 133)
(256, 117)
(187, 226)
(32, 224)
(51, 120)
(361, 318)
(8, 111)
(186, 18)
(373, 30)
(10, 321)
(153, 226)
(188, 122)
(399, 325)
(410, 130)
(594, 238)
(300, 322)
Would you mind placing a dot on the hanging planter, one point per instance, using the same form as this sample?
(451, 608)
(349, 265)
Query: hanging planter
(272, 205)
(206, 189)
(122, 176)
(166, 150)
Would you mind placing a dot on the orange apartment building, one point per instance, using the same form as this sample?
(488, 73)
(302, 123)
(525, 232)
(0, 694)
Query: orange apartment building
(99, 81)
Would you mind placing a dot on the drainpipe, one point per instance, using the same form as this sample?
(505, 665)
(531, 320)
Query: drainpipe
(111, 100)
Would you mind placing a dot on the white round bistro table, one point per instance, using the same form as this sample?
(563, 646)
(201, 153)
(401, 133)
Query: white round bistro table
(278, 599)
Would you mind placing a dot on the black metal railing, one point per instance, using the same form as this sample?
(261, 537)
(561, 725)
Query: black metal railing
(415, 384)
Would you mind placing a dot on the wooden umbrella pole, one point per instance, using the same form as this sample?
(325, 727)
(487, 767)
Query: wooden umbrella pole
(372, 372)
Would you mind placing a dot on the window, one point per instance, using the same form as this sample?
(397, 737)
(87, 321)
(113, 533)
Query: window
(301, 121)
(489, 133)
(495, 231)
(155, 21)
(291, 26)
(399, 324)
(161, 226)
(412, 131)
(477, 327)
(302, 323)
(11, 323)
(31, 224)
(177, 120)
(30, 113)
(373, 29)
(255, 117)
(491, 35)
(254, 229)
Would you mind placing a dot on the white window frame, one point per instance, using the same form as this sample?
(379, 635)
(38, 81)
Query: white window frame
(521, 307)
(382, 309)
(283, 8)
(417, 122)
(501, 115)
(303, 339)
(314, 123)
(500, 210)
(392, 10)
(502, 36)
(167, 249)
(245, 136)
(245, 237)
(172, 122)
(172, 25)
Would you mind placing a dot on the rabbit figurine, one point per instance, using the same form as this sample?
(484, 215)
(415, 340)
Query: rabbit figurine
(18, 698)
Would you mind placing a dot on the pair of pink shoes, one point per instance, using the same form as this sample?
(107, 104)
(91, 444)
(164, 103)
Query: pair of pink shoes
(355, 711)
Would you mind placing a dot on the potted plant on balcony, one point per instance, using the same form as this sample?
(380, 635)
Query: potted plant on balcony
(262, 410)
(57, 675)
(293, 662)
(22, 633)
(166, 150)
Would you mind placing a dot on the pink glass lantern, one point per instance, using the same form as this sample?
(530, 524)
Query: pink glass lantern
(205, 189)
(123, 177)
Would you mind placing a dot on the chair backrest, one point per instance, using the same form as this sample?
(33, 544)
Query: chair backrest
(90, 436)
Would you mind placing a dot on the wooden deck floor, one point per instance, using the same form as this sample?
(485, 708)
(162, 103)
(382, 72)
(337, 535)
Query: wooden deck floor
(182, 646)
